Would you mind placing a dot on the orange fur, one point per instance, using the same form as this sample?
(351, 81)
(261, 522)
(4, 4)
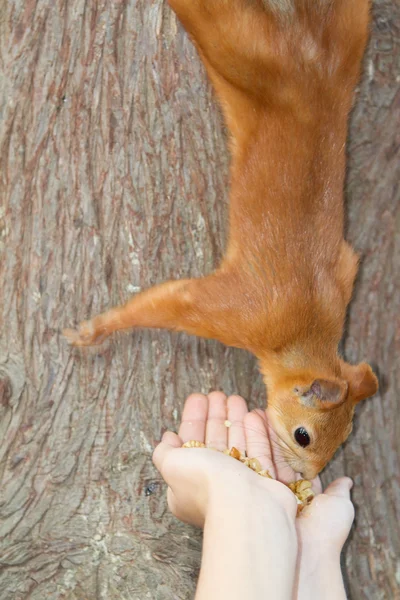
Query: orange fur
(284, 72)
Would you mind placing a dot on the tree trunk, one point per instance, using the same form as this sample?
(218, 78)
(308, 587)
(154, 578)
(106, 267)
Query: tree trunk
(113, 178)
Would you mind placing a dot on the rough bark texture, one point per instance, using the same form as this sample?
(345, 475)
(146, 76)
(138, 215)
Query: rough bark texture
(114, 177)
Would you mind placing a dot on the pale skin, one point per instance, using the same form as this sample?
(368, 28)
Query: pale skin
(253, 543)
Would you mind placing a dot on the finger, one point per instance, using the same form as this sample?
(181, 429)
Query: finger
(237, 410)
(316, 486)
(194, 417)
(257, 441)
(283, 471)
(340, 488)
(216, 430)
(170, 441)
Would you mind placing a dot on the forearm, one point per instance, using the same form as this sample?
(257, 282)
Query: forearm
(320, 576)
(249, 550)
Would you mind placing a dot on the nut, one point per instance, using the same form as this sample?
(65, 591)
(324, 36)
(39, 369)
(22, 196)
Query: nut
(234, 452)
(193, 444)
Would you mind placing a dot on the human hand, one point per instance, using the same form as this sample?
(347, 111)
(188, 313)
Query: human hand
(199, 477)
(203, 478)
(322, 527)
(326, 522)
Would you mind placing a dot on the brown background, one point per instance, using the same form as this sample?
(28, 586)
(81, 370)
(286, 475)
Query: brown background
(114, 177)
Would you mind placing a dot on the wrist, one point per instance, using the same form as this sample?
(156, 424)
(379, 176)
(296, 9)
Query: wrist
(252, 537)
(316, 565)
(319, 575)
(317, 555)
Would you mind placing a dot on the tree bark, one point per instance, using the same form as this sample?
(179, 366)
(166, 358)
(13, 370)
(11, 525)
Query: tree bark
(113, 176)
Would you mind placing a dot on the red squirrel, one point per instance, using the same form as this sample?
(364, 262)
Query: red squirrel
(284, 72)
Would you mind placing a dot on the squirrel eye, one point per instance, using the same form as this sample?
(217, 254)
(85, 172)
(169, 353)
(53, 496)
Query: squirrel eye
(301, 436)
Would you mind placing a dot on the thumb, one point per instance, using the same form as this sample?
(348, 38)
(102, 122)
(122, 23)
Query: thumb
(340, 488)
(170, 441)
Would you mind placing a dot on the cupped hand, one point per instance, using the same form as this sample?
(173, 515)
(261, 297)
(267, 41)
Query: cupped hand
(325, 524)
(193, 475)
(197, 476)
(322, 527)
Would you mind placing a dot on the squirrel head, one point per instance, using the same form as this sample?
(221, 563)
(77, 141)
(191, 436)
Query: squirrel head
(312, 412)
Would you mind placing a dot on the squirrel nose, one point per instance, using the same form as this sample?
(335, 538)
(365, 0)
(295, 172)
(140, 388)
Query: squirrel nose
(309, 473)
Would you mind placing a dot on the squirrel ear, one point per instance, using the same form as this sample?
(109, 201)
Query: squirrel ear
(363, 382)
(322, 393)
